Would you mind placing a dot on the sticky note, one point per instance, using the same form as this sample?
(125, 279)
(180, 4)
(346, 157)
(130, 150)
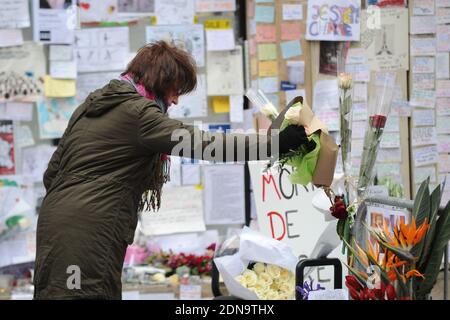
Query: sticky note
(290, 31)
(265, 14)
(59, 88)
(267, 51)
(265, 33)
(218, 24)
(268, 84)
(268, 68)
(291, 49)
(253, 67)
(221, 104)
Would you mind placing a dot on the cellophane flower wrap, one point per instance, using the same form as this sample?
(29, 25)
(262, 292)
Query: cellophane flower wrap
(345, 85)
(380, 99)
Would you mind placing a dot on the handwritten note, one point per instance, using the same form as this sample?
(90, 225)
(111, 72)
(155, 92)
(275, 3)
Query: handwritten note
(11, 37)
(443, 125)
(359, 72)
(443, 143)
(221, 104)
(390, 140)
(220, 39)
(423, 98)
(265, 33)
(443, 106)
(444, 163)
(237, 108)
(356, 56)
(423, 118)
(267, 51)
(422, 25)
(422, 173)
(292, 11)
(268, 84)
(290, 31)
(16, 111)
(390, 155)
(360, 91)
(14, 14)
(442, 88)
(268, 68)
(442, 60)
(215, 5)
(423, 136)
(425, 156)
(422, 64)
(171, 12)
(296, 72)
(423, 46)
(58, 88)
(392, 124)
(264, 14)
(290, 49)
(291, 94)
(423, 81)
(443, 16)
(423, 7)
(443, 37)
(326, 95)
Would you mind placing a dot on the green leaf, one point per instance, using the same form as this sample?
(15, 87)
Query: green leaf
(383, 274)
(426, 243)
(422, 203)
(433, 263)
(340, 228)
(403, 286)
(356, 274)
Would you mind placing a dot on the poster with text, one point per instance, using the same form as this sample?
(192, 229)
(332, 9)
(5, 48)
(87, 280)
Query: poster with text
(7, 164)
(337, 20)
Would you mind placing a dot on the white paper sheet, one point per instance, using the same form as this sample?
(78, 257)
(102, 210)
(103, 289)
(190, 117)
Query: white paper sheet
(423, 118)
(442, 60)
(35, 161)
(443, 125)
(215, 5)
(190, 174)
(63, 69)
(11, 37)
(423, 7)
(326, 95)
(291, 94)
(188, 37)
(296, 72)
(96, 11)
(22, 70)
(89, 82)
(181, 211)
(423, 46)
(16, 111)
(423, 64)
(223, 197)
(14, 14)
(443, 143)
(61, 52)
(54, 23)
(220, 39)
(174, 11)
(422, 173)
(443, 106)
(423, 136)
(101, 49)
(225, 72)
(425, 156)
(237, 108)
(422, 25)
(193, 104)
(292, 11)
(24, 136)
(423, 98)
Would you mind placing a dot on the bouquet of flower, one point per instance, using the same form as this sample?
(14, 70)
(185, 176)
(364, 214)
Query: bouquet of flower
(268, 281)
(402, 264)
(314, 162)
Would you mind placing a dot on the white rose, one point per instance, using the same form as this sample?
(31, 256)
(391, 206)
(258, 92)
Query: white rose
(259, 267)
(345, 81)
(273, 271)
(285, 274)
(269, 111)
(293, 115)
(159, 277)
(265, 278)
(286, 288)
(250, 277)
(272, 295)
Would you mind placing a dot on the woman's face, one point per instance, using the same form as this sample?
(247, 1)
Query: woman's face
(172, 98)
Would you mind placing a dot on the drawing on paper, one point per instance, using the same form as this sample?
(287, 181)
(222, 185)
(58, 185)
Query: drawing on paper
(54, 115)
(6, 147)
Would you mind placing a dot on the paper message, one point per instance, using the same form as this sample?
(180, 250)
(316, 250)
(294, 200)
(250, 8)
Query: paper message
(422, 25)
(267, 51)
(237, 108)
(290, 49)
(443, 143)
(14, 14)
(193, 104)
(215, 5)
(292, 11)
(443, 106)
(296, 72)
(265, 33)
(290, 31)
(326, 95)
(220, 39)
(225, 72)
(54, 115)
(422, 173)
(169, 12)
(443, 125)
(268, 68)
(443, 37)
(423, 64)
(423, 98)
(360, 111)
(337, 20)
(390, 140)
(423, 7)
(423, 46)
(16, 111)
(423, 81)
(264, 14)
(11, 37)
(291, 94)
(425, 155)
(423, 136)
(59, 88)
(359, 72)
(268, 84)
(444, 163)
(442, 88)
(423, 118)
(389, 155)
(443, 16)
(330, 118)
(442, 60)
(360, 91)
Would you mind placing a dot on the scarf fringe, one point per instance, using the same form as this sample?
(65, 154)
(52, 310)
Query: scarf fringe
(151, 198)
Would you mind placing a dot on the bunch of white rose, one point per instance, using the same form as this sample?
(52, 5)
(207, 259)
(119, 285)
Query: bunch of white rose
(268, 282)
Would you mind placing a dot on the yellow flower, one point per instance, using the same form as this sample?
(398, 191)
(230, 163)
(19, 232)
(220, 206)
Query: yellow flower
(285, 274)
(259, 267)
(241, 280)
(272, 295)
(159, 277)
(293, 115)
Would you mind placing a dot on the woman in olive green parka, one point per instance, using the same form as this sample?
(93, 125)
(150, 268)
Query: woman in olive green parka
(109, 165)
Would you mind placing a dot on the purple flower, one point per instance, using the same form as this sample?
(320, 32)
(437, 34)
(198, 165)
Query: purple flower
(307, 288)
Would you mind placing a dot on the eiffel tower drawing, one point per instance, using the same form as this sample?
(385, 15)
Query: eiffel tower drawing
(384, 47)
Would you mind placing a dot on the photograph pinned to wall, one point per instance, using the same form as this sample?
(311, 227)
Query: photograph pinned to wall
(7, 161)
(386, 3)
(101, 49)
(225, 72)
(136, 7)
(328, 57)
(322, 25)
(54, 21)
(193, 104)
(387, 47)
(54, 115)
(22, 71)
(14, 14)
(187, 37)
(97, 11)
(170, 12)
(215, 5)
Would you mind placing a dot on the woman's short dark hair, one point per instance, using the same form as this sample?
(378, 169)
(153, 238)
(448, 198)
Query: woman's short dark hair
(163, 68)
